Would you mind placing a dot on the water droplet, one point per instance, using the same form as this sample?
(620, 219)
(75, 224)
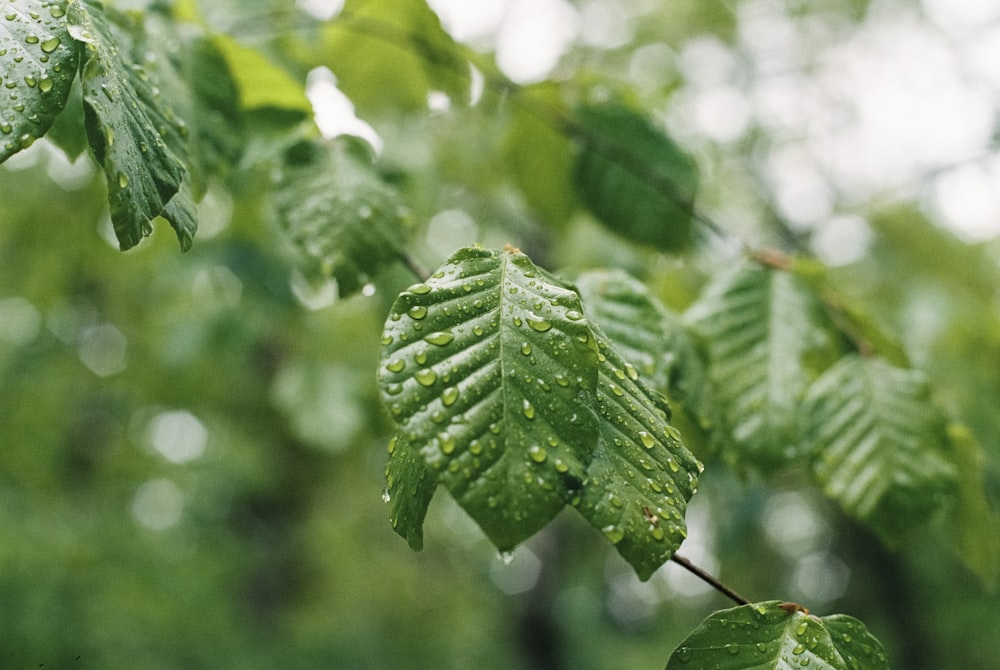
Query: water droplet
(395, 365)
(506, 557)
(537, 454)
(449, 396)
(477, 331)
(392, 446)
(425, 376)
(417, 312)
(30, 81)
(475, 447)
(733, 649)
(802, 627)
(31, 39)
(122, 179)
(528, 409)
(561, 465)
(421, 357)
(517, 321)
(107, 92)
(615, 500)
(50, 45)
(761, 647)
(447, 443)
(525, 348)
(6, 128)
(613, 533)
(616, 390)
(538, 324)
(419, 289)
(385, 495)
(647, 440)
(799, 648)
(672, 464)
(394, 389)
(654, 486)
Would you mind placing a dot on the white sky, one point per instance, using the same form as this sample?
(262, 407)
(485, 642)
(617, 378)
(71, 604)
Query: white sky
(904, 105)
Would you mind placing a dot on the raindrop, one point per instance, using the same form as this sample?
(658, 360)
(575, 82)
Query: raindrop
(385, 495)
(449, 396)
(425, 377)
(45, 85)
(538, 324)
(799, 648)
(122, 179)
(31, 39)
(6, 128)
(526, 349)
(613, 533)
(617, 390)
(421, 357)
(417, 312)
(647, 440)
(475, 447)
(394, 389)
(419, 289)
(560, 465)
(574, 315)
(395, 365)
(537, 454)
(50, 45)
(447, 443)
(528, 409)
(517, 321)
(761, 647)
(30, 81)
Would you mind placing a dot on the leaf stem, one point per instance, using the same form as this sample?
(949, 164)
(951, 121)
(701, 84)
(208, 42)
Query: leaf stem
(709, 579)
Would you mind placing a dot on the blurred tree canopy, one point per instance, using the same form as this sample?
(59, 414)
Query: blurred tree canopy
(193, 445)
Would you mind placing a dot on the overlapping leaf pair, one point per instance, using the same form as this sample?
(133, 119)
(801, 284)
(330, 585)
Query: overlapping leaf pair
(507, 394)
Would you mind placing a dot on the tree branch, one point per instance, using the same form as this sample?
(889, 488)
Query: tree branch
(709, 579)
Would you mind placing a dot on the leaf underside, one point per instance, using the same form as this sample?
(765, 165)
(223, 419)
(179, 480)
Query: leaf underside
(766, 636)
(763, 331)
(877, 441)
(504, 392)
(37, 67)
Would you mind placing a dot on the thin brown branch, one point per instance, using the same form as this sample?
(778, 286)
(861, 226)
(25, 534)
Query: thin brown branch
(709, 579)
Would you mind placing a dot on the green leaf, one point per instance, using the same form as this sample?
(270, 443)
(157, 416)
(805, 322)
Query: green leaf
(489, 369)
(767, 636)
(652, 338)
(343, 218)
(634, 178)
(540, 159)
(38, 61)
(262, 83)
(641, 476)
(388, 55)
(878, 443)
(127, 123)
(764, 333)
(410, 485)
(973, 525)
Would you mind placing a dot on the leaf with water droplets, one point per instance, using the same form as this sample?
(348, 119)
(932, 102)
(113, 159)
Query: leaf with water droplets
(38, 62)
(767, 635)
(878, 443)
(501, 412)
(345, 221)
(651, 338)
(128, 125)
(641, 476)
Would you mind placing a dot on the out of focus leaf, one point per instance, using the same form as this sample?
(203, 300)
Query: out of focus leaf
(634, 178)
(973, 523)
(342, 217)
(877, 443)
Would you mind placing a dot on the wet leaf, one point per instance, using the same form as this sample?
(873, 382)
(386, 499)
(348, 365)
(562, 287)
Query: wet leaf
(345, 221)
(489, 369)
(38, 62)
(767, 636)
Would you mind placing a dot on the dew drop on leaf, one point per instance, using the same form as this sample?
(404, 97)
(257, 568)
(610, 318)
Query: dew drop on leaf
(425, 377)
(417, 312)
(646, 439)
(526, 349)
(449, 396)
(528, 409)
(395, 365)
(440, 338)
(537, 454)
(539, 325)
(419, 289)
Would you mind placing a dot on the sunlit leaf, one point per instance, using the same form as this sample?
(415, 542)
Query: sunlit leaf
(878, 443)
(775, 636)
(262, 83)
(634, 178)
(390, 54)
(38, 62)
(763, 333)
(641, 476)
(489, 369)
(342, 217)
(127, 123)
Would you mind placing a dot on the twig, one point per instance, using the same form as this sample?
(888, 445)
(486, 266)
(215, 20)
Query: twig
(709, 579)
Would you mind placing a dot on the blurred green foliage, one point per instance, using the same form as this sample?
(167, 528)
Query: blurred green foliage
(192, 446)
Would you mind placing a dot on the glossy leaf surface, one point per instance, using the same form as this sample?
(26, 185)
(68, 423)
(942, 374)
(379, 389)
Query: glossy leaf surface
(489, 369)
(766, 636)
(877, 443)
(127, 123)
(38, 62)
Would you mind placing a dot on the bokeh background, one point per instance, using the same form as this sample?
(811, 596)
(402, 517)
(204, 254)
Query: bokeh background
(192, 447)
